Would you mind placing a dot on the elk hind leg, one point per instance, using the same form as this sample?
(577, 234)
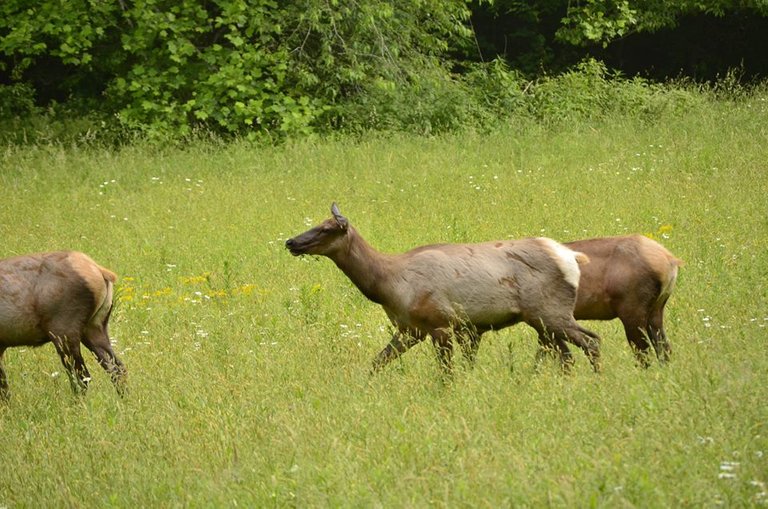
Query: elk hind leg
(68, 347)
(635, 330)
(658, 335)
(97, 341)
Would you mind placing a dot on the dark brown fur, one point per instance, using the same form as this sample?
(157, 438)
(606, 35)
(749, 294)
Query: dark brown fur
(61, 297)
(629, 278)
(462, 290)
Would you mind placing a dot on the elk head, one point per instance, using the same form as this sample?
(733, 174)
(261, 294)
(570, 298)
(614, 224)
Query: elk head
(324, 239)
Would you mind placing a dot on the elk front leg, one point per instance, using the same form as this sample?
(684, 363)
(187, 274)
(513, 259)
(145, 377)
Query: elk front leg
(550, 344)
(399, 344)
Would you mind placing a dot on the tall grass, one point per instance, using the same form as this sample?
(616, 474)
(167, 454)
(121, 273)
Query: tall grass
(248, 368)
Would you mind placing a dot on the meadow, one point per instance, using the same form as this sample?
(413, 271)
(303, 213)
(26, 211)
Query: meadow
(248, 368)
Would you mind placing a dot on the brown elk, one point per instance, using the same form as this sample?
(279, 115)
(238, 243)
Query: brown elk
(630, 278)
(462, 290)
(63, 297)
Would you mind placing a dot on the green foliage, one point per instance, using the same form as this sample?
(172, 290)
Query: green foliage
(602, 21)
(598, 21)
(69, 34)
(487, 95)
(342, 46)
(483, 98)
(428, 103)
(377, 64)
(16, 99)
(591, 91)
(230, 66)
(213, 64)
(500, 89)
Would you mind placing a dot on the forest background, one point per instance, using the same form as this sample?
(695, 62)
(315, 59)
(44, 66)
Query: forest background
(261, 69)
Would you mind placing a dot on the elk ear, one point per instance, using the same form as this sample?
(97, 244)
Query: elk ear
(338, 217)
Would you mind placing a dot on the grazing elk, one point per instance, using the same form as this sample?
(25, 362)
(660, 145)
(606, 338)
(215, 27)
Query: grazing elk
(630, 278)
(64, 297)
(461, 290)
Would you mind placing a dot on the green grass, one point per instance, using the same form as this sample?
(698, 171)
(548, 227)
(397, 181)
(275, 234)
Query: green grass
(248, 368)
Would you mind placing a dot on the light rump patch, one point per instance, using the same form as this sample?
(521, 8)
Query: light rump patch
(100, 282)
(567, 260)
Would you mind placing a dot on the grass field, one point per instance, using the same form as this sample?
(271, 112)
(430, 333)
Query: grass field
(248, 368)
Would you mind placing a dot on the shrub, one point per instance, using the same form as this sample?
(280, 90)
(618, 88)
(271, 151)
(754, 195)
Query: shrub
(590, 91)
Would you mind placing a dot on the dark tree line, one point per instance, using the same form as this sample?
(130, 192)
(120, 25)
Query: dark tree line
(658, 40)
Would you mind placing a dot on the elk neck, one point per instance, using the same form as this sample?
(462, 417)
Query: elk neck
(366, 267)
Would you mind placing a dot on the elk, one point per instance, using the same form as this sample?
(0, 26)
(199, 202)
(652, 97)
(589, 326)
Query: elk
(62, 297)
(630, 278)
(443, 291)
